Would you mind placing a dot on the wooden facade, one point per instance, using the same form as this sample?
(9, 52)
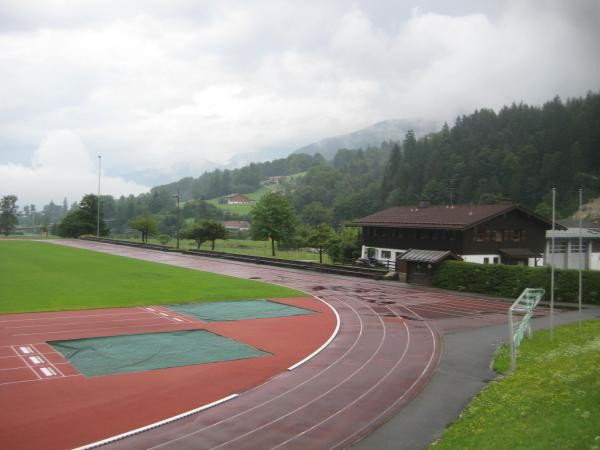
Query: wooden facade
(505, 233)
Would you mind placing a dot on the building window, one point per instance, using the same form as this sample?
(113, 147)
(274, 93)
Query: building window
(370, 252)
(498, 236)
(496, 260)
(386, 254)
(518, 235)
(479, 235)
(486, 260)
(490, 235)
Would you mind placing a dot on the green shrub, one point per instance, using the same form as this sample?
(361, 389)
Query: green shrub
(509, 281)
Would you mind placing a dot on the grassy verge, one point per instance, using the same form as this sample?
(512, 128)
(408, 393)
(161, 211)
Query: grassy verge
(551, 402)
(39, 276)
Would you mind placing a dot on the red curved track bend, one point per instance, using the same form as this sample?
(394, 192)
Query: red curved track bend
(384, 353)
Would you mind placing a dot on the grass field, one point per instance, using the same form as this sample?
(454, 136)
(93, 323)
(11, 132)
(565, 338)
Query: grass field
(551, 402)
(39, 276)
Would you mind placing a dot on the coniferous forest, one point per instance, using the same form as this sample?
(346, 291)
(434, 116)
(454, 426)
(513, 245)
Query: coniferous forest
(519, 152)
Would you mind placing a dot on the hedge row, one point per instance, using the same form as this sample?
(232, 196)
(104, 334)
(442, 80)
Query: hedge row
(509, 281)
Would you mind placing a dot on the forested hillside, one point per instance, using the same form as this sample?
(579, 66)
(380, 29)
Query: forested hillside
(520, 152)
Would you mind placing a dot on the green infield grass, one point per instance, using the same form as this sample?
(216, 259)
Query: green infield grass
(38, 276)
(552, 401)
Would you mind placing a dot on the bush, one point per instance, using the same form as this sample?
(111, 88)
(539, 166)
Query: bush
(509, 281)
(164, 239)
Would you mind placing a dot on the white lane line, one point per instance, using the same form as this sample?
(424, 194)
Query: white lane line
(79, 323)
(320, 396)
(48, 371)
(399, 399)
(157, 312)
(339, 411)
(327, 342)
(155, 424)
(25, 350)
(36, 360)
(150, 309)
(272, 399)
(71, 317)
(177, 319)
(88, 329)
(38, 379)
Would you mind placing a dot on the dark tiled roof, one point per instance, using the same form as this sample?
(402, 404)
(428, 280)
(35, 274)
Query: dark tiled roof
(458, 217)
(427, 256)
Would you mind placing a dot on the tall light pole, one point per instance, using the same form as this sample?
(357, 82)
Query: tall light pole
(98, 212)
(552, 267)
(580, 251)
(177, 196)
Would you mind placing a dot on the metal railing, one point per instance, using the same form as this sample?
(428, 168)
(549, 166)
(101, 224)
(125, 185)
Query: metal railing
(523, 307)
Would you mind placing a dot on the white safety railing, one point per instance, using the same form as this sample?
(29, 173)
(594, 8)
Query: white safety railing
(521, 311)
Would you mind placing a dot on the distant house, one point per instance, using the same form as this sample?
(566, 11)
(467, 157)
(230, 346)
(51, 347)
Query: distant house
(487, 234)
(236, 225)
(237, 199)
(568, 253)
(273, 180)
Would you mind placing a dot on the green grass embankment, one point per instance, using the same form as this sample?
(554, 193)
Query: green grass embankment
(552, 401)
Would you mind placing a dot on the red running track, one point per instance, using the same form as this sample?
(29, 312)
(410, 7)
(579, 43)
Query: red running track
(386, 350)
(47, 403)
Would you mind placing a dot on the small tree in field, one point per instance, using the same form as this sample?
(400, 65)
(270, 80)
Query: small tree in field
(321, 238)
(196, 233)
(273, 218)
(8, 214)
(145, 224)
(214, 230)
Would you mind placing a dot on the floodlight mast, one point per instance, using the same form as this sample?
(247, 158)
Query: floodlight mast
(177, 196)
(552, 266)
(580, 252)
(98, 202)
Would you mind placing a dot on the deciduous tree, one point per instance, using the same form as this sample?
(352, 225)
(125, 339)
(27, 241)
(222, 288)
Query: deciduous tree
(272, 218)
(145, 224)
(8, 214)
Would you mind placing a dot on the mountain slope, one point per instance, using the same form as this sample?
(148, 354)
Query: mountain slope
(373, 136)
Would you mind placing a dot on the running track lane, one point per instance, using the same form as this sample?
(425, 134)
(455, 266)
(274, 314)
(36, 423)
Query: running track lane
(384, 354)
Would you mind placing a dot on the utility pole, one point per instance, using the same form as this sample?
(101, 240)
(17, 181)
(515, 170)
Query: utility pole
(98, 212)
(580, 252)
(451, 189)
(178, 196)
(552, 266)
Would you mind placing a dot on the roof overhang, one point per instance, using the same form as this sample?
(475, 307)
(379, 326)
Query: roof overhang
(427, 256)
(519, 253)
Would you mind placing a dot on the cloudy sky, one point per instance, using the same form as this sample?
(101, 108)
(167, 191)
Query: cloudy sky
(163, 89)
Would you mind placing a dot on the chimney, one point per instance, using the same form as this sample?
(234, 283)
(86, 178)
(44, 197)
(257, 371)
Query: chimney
(424, 203)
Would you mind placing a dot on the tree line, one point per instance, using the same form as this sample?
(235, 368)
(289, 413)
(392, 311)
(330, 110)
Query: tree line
(519, 152)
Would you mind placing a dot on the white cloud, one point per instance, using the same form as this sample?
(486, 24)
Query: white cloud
(61, 166)
(160, 87)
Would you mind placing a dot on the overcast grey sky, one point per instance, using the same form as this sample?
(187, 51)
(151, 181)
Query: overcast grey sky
(170, 88)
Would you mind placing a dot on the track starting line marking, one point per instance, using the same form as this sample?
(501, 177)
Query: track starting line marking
(48, 371)
(26, 350)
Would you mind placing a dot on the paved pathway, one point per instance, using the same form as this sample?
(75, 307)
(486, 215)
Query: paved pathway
(386, 352)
